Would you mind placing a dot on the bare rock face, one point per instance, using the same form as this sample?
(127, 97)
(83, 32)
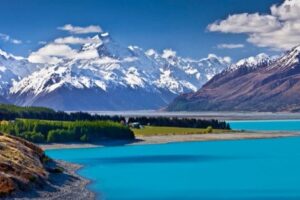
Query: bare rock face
(21, 165)
(272, 86)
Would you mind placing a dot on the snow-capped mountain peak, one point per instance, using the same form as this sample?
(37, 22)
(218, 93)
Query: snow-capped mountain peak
(252, 62)
(289, 60)
(104, 69)
(12, 69)
(6, 55)
(96, 42)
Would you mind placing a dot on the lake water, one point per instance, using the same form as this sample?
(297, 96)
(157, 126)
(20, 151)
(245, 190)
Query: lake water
(246, 169)
(266, 125)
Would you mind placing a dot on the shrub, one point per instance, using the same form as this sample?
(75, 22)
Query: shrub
(84, 138)
(33, 136)
(209, 129)
(60, 135)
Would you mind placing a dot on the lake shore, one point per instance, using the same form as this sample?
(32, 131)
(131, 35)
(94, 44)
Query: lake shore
(67, 185)
(163, 139)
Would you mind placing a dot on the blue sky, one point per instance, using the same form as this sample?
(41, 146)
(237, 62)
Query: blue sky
(177, 24)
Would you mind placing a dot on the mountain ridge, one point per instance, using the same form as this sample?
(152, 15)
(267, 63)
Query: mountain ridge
(269, 86)
(115, 76)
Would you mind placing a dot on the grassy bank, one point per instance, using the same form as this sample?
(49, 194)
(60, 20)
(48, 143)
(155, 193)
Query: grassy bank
(163, 130)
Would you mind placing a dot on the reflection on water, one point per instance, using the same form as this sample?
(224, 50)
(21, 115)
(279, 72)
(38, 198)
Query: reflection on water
(155, 159)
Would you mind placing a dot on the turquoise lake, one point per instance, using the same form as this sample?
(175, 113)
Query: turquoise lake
(247, 169)
(266, 169)
(266, 125)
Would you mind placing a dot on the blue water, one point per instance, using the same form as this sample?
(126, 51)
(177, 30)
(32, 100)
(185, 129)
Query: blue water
(247, 169)
(266, 125)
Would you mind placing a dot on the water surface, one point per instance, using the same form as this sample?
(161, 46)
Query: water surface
(266, 125)
(248, 169)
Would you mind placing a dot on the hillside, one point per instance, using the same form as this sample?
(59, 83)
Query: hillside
(27, 173)
(21, 165)
(270, 85)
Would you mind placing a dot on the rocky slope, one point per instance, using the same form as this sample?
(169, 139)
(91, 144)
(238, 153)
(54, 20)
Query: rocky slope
(26, 173)
(268, 85)
(114, 78)
(21, 165)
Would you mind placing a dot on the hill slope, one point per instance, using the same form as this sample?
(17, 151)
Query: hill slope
(21, 165)
(266, 86)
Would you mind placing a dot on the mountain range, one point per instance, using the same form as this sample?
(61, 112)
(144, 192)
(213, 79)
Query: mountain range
(261, 85)
(114, 78)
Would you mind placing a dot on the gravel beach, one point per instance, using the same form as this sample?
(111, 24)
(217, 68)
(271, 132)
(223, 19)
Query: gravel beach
(67, 186)
(160, 139)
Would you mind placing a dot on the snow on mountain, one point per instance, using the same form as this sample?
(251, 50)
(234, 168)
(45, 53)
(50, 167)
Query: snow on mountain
(259, 84)
(105, 70)
(252, 62)
(12, 69)
(290, 58)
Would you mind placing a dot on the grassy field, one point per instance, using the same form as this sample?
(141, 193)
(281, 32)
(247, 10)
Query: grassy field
(158, 130)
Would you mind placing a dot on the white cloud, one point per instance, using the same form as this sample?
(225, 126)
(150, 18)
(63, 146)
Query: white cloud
(15, 41)
(89, 54)
(230, 46)
(288, 10)
(81, 30)
(58, 50)
(278, 30)
(7, 38)
(75, 40)
(51, 53)
(246, 23)
(214, 56)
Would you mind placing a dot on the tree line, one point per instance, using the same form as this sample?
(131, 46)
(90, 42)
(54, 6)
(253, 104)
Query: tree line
(180, 122)
(46, 131)
(12, 112)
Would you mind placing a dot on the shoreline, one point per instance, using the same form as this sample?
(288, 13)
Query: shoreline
(67, 185)
(165, 139)
(221, 115)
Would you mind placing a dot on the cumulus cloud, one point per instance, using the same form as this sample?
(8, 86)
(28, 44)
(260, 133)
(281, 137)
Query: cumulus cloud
(81, 30)
(230, 46)
(76, 40)
(7, 38)
(278, 30)
(246, 23)
(58, 50)
(288, 10)
(51, 53)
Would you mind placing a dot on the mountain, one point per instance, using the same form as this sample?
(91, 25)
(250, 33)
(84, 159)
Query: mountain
(106, 76)
(267, 85)
(21, 165)
(12, 68)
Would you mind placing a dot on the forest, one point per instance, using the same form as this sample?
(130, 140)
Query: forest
(12, 112)
(46, 131)
(44, 125)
